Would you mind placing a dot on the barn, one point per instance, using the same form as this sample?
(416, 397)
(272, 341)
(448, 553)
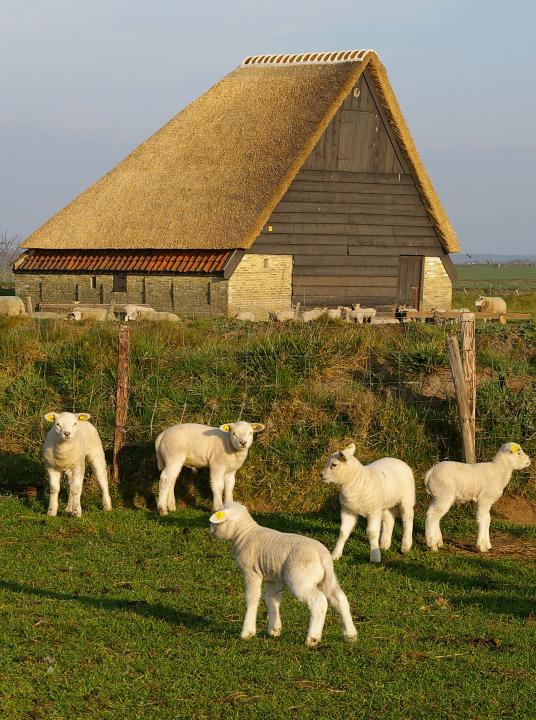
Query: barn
(293, 179)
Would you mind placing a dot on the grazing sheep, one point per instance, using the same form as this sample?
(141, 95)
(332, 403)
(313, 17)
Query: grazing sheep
(245, 316)
(491, 305)
(367, 313)
(10, 306)
(483, 483)
(372, 491)
(69, 443)
(223, 450)
(282, 315)
(300, 563)
(79, 313)
(313, 314)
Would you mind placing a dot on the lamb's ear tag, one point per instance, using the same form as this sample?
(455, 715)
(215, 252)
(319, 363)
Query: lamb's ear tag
(515, 448)
(225, 428)
(50, 417)
(257, 427)
(83, 416)
(218, 517)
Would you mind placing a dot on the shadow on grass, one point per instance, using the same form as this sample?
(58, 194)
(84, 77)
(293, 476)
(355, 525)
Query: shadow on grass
(488, 584)
(19, 471)
(143, 608)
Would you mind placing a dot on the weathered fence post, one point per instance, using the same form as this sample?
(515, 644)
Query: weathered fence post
(469, 367)
(110, 311)
(29, 306)
(121, 400)
(458, 378)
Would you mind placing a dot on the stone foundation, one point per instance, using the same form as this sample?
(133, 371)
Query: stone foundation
(436, 286)
(261, 284)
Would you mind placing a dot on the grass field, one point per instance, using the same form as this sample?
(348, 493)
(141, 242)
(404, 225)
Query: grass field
(493, 279)
(125, 615)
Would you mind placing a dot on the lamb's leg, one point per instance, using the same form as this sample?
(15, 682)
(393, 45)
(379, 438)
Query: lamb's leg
(217, 484)
(483, 519)
(317, 603)
(168, 476)
(229, 483)
(54, 478)
(340, 602)
(406, 510)
(388, 523)
(272, 599)
(76, 483)
(98, 463)
(438, 508)
(348, 521)
(253, 595)
(373, 533)
(69, 506)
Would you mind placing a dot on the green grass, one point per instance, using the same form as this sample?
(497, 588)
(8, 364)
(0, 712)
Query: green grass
(125, 615)
(493, 279)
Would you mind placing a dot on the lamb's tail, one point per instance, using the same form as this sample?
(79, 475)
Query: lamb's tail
(159, 459)
(329, 583)
(426, 479)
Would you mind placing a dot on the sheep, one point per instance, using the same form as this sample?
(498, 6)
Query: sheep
(313, 314)
(367, 313)
(282, 315)
(334, 313)
(47, 315)
(136, 312)
(245, 316)
(69, 443)
(483, 483)
(83, 313)
(372, 491)
(355, 316)
(491, 305)
(223, 450)
(10, 306)
(384, 321)
(300, 563)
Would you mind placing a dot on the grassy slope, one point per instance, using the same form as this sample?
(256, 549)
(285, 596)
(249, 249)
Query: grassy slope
(127, 616)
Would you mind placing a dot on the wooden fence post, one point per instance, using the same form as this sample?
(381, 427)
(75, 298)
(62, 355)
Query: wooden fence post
(469, 367)
(29, 306)
(110, 311)
(458, 378)
(121, 400)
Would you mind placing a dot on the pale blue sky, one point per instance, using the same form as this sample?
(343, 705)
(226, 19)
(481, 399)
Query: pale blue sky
(83, 83)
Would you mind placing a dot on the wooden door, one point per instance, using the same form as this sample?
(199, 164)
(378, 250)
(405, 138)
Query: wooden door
(410, 280)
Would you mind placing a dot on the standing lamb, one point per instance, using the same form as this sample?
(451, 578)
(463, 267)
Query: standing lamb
(223, 450)
(483, 483)
(69, 443)
(491, 305)
(367, 313)
(300, 563)
(372, 491)
(11, 306)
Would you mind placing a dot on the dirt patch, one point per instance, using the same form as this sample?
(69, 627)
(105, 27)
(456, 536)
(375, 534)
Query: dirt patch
(439, 384)
(516, 510)
(503, 545)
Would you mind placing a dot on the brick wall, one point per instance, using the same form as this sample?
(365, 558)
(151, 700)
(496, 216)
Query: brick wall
(437, 285)
(260, 284)
(186, 295)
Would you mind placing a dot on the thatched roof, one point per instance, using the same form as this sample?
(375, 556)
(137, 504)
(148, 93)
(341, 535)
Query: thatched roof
(212, 175)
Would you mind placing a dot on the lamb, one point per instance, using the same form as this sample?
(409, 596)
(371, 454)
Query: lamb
(69, 443)
(300, 563)
(245, 316)
(10, 306)
(223, 450)
(80, 313)
(313, 314)
(136, 312)
(491, 305)
(334, 313)
(372, 491)
(367, 313)
(483, 483)
(282, 315)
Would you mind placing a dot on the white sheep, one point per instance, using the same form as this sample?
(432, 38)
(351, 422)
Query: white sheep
(10, 306)
(313, 314)
(483, 483)
(245, 316)
(300, 563)
(367, 313)
(384, 321)
(372, 491)
(282, 315)
(223, 450)
(69, 443)
(137, 312)
(491, 305)
(334, 313)
(88, 313)
(354, 316)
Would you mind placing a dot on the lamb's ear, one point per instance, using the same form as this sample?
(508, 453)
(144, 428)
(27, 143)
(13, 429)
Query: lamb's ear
(226, 427)
(218, 517)
(342, 456)
(83, 416)
(515, 448)
(257, 427)
(51, 416)
(348, 451)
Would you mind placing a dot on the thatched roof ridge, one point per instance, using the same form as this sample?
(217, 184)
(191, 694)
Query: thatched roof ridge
(211, 177)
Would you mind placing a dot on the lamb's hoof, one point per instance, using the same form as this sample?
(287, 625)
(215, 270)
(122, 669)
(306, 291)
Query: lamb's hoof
(52, 513)
(405, 549)
(336, 556)
(274, 632)
(483, 548)
(375, 556)
(162, 511)
(385, 547)
(107, 507)
(352, 637)
(76, 513)
(312, 642)
(247, 635)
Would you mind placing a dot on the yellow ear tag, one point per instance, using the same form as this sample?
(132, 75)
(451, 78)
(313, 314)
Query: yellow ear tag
(220, 515)
(515, 448)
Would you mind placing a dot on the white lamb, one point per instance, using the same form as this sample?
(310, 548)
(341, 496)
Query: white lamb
(367, 313)
(491, 305)
(313, 314)
(69, 443)
(372, 491)
(137, 312)
(245, 316)
(11, 305)
(282, 315)
(483, 483)
(98, 314)
(300, 563)
(223, 450)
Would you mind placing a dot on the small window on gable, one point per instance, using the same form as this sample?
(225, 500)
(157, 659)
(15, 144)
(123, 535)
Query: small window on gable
(93, 282)
(119, 283)
(266, 263)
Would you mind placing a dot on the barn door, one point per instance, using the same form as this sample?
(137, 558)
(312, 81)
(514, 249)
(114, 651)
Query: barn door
(409, 280)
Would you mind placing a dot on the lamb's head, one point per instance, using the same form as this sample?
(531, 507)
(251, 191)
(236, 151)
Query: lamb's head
(241, 433)
(513, 454)
(76, 315)
(223, 523)
(131, 312)
(341, 466)
(479, 301)
(66, 424)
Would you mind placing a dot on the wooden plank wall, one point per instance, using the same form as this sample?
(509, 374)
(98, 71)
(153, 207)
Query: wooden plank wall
(350, 212)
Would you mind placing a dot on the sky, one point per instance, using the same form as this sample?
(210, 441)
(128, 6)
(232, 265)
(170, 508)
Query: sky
(82, 84)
